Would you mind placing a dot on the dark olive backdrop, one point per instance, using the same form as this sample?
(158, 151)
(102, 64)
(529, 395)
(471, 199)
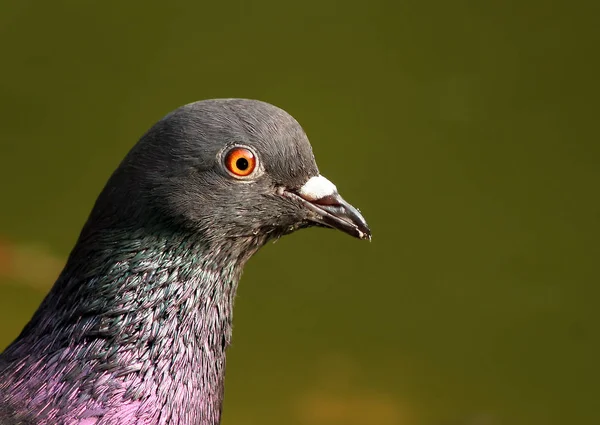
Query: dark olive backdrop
(465, 131)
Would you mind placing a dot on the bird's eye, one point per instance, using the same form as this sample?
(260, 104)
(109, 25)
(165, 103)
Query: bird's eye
(240, 162)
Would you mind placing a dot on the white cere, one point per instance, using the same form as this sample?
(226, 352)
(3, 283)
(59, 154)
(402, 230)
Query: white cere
(317, 187)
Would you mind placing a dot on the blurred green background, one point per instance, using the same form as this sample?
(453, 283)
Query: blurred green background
(465, 131)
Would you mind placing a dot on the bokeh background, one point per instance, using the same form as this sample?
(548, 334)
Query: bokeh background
(466, 132)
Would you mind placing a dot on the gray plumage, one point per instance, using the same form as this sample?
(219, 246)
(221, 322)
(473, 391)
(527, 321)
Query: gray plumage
(135, 329)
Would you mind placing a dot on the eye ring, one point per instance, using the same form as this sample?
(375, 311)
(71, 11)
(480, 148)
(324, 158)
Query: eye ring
(240, 161)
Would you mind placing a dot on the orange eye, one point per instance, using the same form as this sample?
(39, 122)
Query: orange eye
(240, 162)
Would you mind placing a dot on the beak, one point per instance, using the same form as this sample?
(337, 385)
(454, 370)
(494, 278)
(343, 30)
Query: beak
(327, 208)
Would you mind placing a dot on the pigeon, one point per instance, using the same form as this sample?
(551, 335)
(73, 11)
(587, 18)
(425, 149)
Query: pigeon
(135, 328)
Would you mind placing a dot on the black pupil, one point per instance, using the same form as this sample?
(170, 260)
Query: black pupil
(242, 164)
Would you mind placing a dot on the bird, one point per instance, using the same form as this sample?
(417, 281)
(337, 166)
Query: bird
(136, 326)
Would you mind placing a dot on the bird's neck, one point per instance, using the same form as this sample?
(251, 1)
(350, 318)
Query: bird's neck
(141, 324)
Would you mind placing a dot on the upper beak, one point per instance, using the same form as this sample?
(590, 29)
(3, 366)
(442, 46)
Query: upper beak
(328, 208)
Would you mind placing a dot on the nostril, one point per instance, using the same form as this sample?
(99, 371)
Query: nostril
(327, 200)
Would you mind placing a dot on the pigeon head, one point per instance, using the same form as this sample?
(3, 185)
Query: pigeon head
(227, 168)
(135, 328)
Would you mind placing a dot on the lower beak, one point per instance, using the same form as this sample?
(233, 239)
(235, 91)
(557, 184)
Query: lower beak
(326, 207)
